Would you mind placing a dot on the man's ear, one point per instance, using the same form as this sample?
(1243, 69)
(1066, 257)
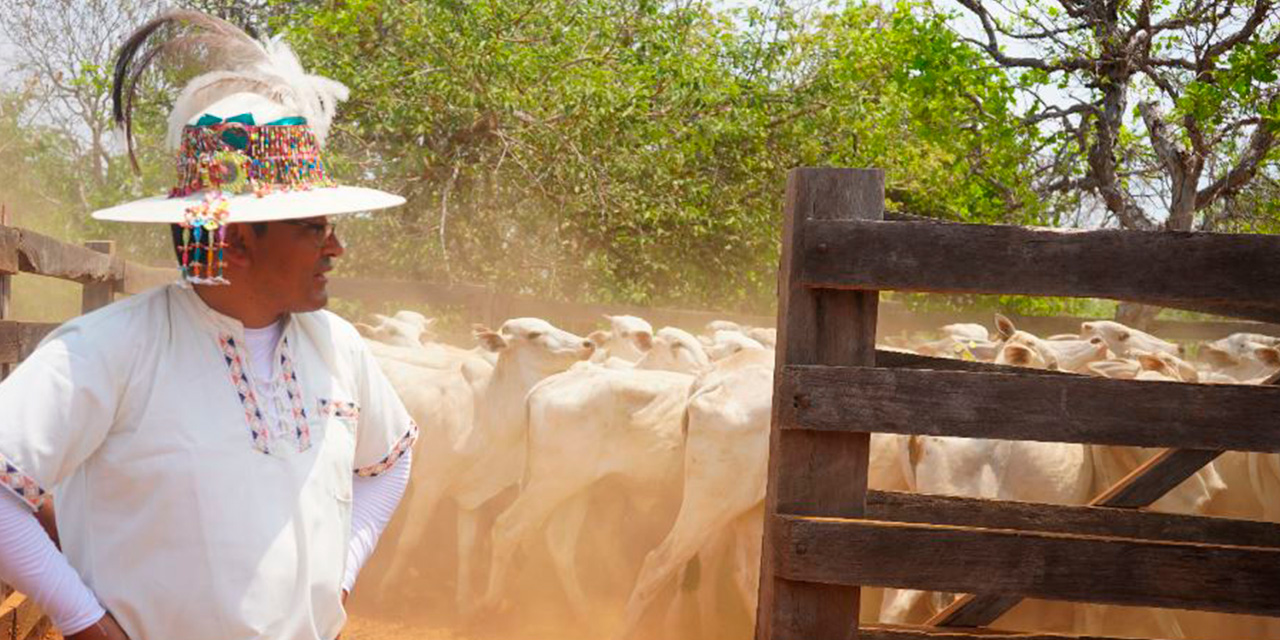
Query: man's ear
(240, 243)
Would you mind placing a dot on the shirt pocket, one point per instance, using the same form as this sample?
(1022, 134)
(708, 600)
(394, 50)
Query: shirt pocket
(339, 419)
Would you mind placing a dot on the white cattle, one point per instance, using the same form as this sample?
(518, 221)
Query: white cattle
(470, 456)
(1243, 356)
(1055, 473)
(1122, 339)
(725, 468)
(404, 328)
(726, 343)
(724, 325)
(627, 339)
(1024, 349)
(766, 337)
(967, 331)
(675, 350)
(586, 425)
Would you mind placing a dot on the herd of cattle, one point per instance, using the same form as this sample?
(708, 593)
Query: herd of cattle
(674, 427)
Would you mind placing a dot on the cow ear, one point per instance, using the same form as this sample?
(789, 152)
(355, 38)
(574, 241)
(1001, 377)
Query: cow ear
(1017, 354)
(599, 337)
(1269, 356)
(365, 330)
(489, 339)
(643, 340)
(1216, 357)
(1004, 327)
(1150, 362)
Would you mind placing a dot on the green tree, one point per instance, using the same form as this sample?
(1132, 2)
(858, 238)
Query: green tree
(636, 151)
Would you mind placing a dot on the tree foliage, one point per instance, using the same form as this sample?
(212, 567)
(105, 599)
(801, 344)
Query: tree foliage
(1164, 111)
(637, 150)
(620, 150)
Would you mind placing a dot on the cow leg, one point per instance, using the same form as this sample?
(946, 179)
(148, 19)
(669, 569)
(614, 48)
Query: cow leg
(468, 524)
(518, 522)
(400, 576)
(694, 527)
(698, 579)
(562, 533)
(749, 540)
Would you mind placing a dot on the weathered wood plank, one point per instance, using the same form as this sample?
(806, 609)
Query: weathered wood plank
(1156, 477)
(19, 339)
(812, 472)
(1141, 488)
(95, 295)
(1037, 565)
(39, 630)
(1042, 408)
(10, 241)
(890, 506)
(40, 254)
(139, 278)
(908, 632)
(1228, 271)
(18, 614)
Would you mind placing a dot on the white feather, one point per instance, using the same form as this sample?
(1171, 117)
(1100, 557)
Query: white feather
(315, 96)
(276, 75)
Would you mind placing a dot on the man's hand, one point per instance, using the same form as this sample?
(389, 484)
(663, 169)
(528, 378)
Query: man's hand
(106, 628)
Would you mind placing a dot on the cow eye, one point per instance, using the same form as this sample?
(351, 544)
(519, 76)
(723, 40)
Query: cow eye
(534, 335)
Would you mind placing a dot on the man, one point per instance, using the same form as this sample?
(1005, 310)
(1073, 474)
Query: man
(223, 453)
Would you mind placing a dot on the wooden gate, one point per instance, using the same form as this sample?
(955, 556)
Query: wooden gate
(826, 534)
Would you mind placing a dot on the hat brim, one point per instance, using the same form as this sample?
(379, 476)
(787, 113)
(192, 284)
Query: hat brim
(281, 205)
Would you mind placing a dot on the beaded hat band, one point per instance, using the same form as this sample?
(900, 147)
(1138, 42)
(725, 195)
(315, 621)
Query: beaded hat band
(236, 156)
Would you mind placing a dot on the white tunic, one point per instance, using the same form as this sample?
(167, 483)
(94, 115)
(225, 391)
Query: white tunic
(187, 511)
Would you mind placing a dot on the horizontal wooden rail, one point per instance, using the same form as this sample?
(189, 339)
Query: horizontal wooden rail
(908, 632)
(26, 251)
(1028, 407)
(891, 506)
(1054, 566)
(139, 278)
(1234, 274)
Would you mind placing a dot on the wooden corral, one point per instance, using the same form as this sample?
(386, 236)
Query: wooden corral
(826, 535)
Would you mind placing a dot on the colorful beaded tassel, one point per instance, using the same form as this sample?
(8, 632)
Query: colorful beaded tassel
(204, 238)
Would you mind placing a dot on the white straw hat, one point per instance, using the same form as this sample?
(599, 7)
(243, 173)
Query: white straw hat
(249, 134)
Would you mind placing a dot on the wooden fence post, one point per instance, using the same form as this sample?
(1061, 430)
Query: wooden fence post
(6, 290)
(811, 472)
(98, 294)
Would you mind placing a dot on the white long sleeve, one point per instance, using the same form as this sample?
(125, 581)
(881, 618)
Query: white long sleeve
(30, 563)
(373, 502)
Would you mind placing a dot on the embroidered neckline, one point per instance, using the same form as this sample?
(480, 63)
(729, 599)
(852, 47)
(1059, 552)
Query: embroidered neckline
(253, 415)
(301, 431)
(252, 411)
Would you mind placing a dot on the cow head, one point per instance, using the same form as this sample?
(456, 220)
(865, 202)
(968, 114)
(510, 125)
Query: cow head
(675, 350)
(534, 343)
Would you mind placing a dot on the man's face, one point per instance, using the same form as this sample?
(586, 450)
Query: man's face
(289, 263)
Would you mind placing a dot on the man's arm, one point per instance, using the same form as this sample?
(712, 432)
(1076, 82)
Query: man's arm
(30, 563)
(373, 502)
